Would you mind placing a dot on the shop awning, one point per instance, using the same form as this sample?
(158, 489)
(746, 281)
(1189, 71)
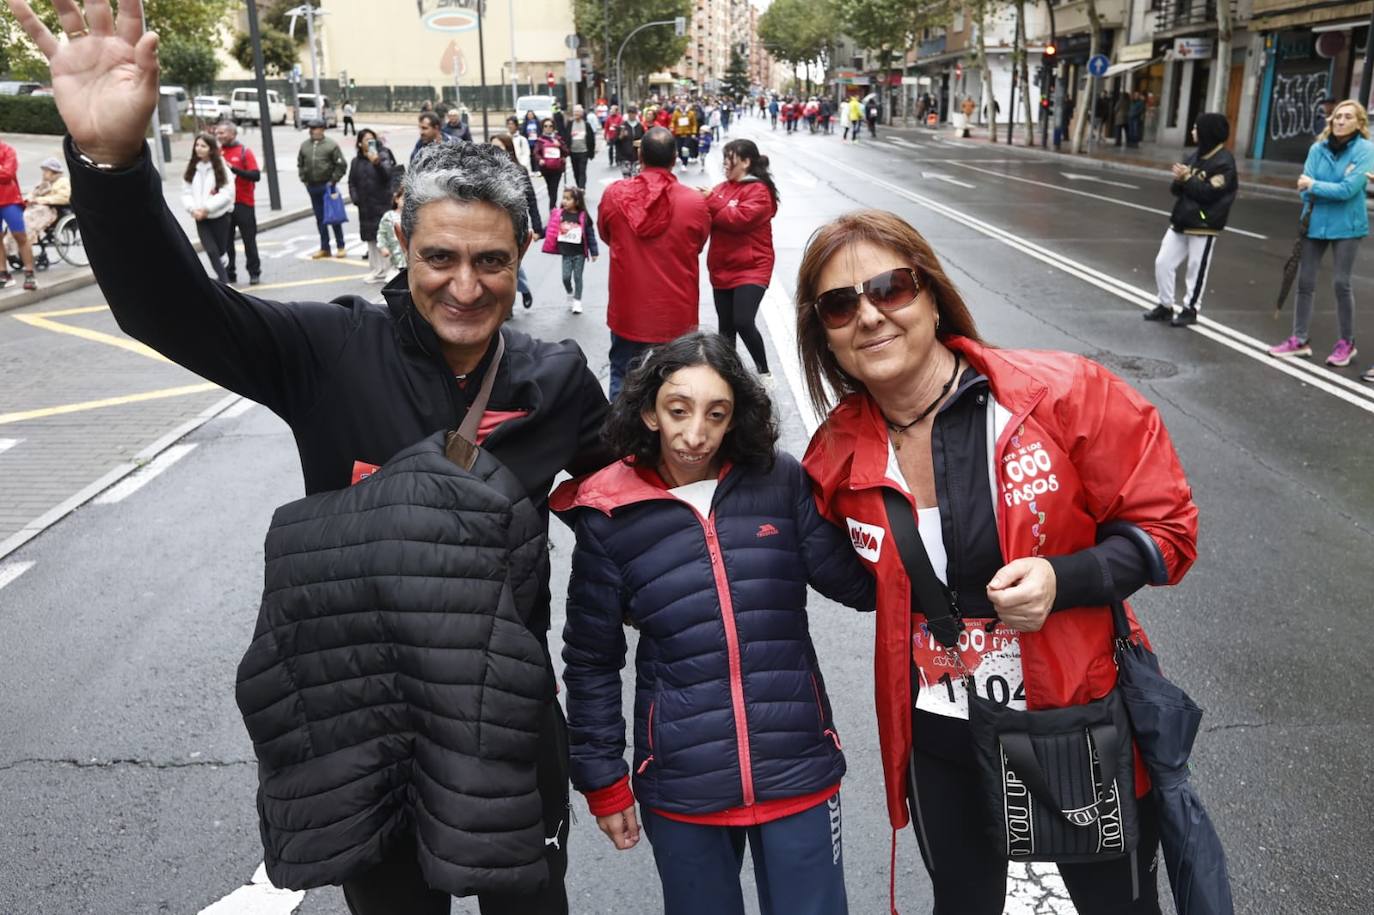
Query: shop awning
(1281, 16)
(1118, 69)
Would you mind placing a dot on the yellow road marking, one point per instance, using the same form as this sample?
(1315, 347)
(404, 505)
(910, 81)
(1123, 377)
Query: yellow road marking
(67, 312)
(7, 418)
(94, 336)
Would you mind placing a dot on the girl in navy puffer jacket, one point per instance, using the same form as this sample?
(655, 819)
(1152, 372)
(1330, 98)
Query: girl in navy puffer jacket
(704, 539)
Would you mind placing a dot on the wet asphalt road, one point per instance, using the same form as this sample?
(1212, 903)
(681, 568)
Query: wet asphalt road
(126, 777)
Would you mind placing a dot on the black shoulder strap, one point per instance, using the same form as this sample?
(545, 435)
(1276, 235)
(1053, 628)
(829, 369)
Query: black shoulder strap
(928, 595)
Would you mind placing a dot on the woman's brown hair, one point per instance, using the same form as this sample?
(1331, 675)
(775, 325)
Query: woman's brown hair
(216, 161)
(885, 230)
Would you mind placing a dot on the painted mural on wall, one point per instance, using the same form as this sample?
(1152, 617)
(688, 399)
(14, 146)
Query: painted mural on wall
(1301, 81)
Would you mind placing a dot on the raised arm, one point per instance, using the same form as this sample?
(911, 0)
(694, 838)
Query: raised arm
(105, 83)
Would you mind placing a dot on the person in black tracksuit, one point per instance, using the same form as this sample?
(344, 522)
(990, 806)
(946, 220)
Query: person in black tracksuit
(358, 383)
(1204, 188)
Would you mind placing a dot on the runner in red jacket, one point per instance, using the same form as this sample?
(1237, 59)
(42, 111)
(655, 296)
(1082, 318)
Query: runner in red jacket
(1057, 446)
(740, 260)
(12, 216)
(655, 228)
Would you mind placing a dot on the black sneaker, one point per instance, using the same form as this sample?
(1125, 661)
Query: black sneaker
(1159, 313)
(233, 277)
(528, 299)
(1184, 318)
(254, 280)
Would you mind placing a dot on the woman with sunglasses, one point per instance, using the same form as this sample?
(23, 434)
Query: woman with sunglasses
(1009, 461)
(740, 260)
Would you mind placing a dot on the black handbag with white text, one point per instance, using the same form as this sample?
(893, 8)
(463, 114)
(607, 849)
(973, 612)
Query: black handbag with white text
(1059, 783)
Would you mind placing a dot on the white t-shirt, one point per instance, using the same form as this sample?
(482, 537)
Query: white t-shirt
(698, 495)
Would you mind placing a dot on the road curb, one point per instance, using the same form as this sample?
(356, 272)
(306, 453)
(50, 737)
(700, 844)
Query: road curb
(55, 514)
(84, 277)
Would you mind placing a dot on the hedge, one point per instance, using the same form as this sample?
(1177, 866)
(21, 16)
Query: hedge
(30, 114)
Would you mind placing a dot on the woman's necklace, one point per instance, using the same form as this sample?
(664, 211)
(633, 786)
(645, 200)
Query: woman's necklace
(899, 428)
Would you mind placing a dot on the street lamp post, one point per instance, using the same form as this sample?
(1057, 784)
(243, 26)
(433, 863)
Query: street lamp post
(264, 110)
(309, 12)
(482, 66)
(514, 90)
(619, 88)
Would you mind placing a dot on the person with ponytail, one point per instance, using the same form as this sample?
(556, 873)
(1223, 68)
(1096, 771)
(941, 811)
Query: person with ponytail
(740, 260)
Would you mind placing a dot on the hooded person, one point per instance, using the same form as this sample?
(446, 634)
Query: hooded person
(1204, 188)
(655, 228)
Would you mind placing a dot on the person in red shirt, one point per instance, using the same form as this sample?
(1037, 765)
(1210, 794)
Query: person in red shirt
(740, 260)
(611, 126)
(12, 216)
(655, 228)
(240, 160)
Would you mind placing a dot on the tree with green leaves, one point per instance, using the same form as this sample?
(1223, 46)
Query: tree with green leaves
(737, 76)
(799, 32)
(889, 28)
(200, 22)
(652, 49)
(188, 63)
(279, 52)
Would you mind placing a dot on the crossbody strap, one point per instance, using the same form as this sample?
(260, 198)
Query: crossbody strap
(461, 444)
(928, 595)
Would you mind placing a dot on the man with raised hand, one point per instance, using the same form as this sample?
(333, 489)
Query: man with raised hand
(356, 382)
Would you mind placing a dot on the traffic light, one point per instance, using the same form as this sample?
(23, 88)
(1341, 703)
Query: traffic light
(1051, 50)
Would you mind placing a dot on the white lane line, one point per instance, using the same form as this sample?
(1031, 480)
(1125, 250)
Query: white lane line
(7, 443)
(238, 409)
(137, 480)
(12, 570)
(1342, 388)
(1072, 176)
(1090, 194)
(257, 897)
(780, 317)
(938, 176)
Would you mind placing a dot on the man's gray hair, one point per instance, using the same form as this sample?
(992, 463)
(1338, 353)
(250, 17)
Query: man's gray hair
(466, 172)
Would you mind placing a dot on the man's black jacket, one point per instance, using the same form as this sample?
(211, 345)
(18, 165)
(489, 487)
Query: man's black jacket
(355, 381)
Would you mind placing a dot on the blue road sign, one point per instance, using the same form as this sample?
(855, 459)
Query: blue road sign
(1097, 64)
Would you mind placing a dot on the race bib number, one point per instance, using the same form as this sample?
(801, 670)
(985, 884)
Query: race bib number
(552, 154)
(570, 232)
(683, 122)
(992, 658)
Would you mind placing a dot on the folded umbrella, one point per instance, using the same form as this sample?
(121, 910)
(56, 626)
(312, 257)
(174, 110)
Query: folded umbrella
(1165, 723)
(1290, 266)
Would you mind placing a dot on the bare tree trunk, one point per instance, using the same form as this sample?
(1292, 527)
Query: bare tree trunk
(1221, 85)
(1023, 62)
(989, 101)
(1087, 102)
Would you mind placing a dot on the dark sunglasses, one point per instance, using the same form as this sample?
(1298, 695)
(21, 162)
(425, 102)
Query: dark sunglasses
(888, 291)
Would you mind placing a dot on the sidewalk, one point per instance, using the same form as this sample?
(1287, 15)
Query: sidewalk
(61, 277)
(1271, 178)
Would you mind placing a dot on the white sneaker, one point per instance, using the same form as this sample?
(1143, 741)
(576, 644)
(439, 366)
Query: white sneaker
(568, 300)
(577, 306)
(769, 384)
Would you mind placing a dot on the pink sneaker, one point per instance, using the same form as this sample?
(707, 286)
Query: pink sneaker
(1341, 355)
(1291, 347)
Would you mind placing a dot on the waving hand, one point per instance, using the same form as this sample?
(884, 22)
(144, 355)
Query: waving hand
(104, 77)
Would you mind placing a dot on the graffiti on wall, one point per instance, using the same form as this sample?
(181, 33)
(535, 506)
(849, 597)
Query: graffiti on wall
(1295, 107)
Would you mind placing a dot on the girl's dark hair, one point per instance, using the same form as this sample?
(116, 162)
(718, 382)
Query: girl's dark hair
(216, 161)
(579, 197)
(754, 430)
(504, 140)
(362, 140)
(758, 163)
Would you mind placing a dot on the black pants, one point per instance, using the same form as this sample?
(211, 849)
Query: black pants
(579, 167)
(736, 310)
(969, 874)
(396, 886)
(214, 237)
(245, 219)
(552, 179)
(348, 126)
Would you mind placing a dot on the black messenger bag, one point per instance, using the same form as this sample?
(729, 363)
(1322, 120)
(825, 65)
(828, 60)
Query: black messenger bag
(1059, 783)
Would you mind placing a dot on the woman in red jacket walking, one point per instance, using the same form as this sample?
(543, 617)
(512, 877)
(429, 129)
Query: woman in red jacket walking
(740, 260)
(1010, 461)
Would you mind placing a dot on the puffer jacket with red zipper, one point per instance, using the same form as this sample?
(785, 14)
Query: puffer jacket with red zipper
(741, 252)
(730, 707)
(1109, 457)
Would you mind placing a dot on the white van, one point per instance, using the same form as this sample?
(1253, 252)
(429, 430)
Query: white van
(243, 106)
(541, 105)
(307, 110)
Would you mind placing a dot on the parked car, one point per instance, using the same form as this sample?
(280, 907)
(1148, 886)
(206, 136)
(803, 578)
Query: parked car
(45, 91)
(541, 105)
(179, 93)
(307, 110)
(243, 106)
(18, 87)
(210, 107)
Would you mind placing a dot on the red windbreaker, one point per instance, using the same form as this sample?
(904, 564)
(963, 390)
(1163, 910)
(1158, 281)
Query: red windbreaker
(655, 228)
(10, 192)
(241, 157)
(1110, 458)
(741, 251)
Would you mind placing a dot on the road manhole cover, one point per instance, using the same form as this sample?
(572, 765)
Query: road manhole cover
(1140, 367)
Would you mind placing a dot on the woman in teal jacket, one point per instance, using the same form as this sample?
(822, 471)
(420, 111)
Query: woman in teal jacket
(1332, 185)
